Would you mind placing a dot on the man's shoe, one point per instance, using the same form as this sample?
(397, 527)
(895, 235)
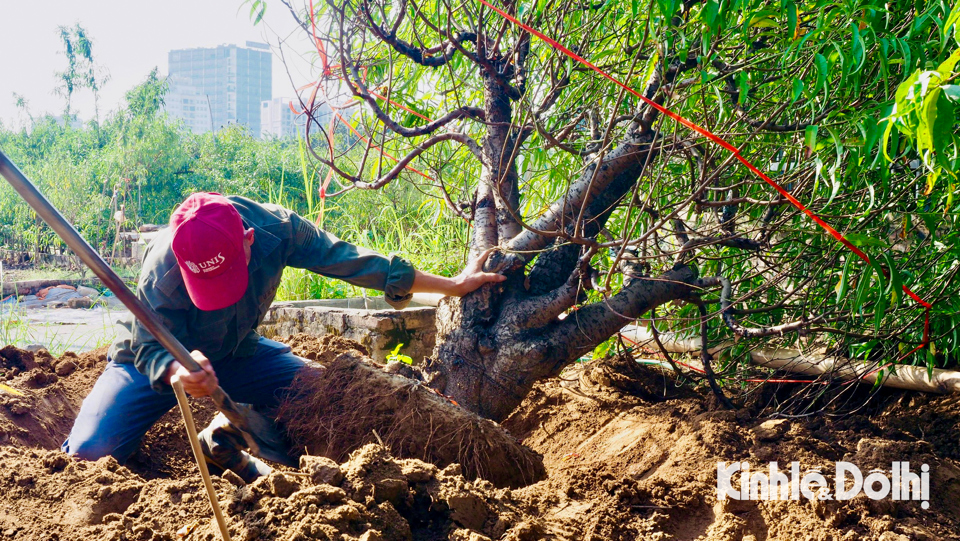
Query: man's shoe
(223, 448)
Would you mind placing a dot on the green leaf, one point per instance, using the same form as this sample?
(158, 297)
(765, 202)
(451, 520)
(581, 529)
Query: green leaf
(907, 54)
(951, 92)
(928, 117)
(650, 70)
(763, 19)
(874, 132)
(792, 19)
(859, 56)
(931, 220)
(810, 139)
(709, 15)
(931, 182)
(887, 131)
(823, 69)
(863, 289)
(943, 137)
(257, 9)
(951, 20)
(395, 355)
(842, 60)
(844, 284)
(667, 7)
(797, 90)
(873, 198)
(864, 240)
(883, 286)
(946, 67)
(836, 164)
(743, 86)
(896, 281)
(905, 89)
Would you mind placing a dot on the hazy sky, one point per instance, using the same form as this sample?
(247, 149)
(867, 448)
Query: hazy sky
(129, 39)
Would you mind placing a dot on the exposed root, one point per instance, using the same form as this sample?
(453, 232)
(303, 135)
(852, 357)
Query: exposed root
(353, 402)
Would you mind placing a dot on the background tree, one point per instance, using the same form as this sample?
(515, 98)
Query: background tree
(603, 211)
(82, 71)
(69, 80)
(23, 110)
(92, 75)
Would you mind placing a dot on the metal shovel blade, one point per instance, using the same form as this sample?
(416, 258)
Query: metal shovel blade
(261, 434)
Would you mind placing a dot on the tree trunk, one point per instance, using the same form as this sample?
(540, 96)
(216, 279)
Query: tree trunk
(494, 344)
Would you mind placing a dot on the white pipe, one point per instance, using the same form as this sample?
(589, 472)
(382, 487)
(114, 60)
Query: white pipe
(914, 378)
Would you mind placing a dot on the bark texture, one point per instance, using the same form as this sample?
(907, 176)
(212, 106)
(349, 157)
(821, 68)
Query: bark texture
(488, 355)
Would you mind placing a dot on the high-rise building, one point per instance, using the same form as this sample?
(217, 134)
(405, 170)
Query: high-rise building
(189, 104)
(210, 88)
(278, 120)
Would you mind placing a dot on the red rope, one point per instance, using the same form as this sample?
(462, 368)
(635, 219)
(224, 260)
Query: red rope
(726, 145)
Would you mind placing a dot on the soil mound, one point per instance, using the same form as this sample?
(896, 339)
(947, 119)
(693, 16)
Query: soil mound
(628, 461)
(628, 456)
(323, 349)
(40, 395)
(371, 496)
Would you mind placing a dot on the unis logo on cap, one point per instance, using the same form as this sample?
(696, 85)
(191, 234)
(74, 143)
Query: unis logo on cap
(213, 263)
(209, 265)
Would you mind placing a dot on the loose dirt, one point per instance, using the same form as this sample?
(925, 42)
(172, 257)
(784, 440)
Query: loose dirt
(627, 456)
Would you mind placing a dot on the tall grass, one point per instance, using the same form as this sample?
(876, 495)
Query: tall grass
(398, 219)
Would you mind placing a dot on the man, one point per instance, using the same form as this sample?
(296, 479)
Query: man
(211, 276)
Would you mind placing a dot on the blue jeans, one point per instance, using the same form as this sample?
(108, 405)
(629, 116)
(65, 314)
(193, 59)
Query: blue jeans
(122, 406)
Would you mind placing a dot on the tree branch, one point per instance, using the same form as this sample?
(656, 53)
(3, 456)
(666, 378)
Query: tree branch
(587, 327)
(705, 359)
(403, 162)
(624, 162)
(360, 90)
(730, 241)
(423, 56)
(545, 308)
(726, 311)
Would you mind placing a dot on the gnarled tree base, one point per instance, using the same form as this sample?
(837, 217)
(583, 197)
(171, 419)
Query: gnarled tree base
(494, 345)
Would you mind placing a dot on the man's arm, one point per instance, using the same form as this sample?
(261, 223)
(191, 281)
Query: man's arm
(172, 307)
(323, 253)
(471, 278)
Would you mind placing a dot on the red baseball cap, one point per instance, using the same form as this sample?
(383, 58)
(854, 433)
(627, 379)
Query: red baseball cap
(208, 244)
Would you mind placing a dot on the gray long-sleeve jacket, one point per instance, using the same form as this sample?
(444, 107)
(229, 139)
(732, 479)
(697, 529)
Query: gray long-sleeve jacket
(281, 239)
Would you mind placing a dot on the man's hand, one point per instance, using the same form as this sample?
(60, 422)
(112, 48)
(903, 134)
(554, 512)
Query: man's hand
(471, 278)
(196, 384)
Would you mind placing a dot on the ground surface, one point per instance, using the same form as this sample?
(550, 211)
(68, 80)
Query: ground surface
(626, 459)
(60, 329)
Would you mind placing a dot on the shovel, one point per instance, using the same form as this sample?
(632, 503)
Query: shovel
(260, 433)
